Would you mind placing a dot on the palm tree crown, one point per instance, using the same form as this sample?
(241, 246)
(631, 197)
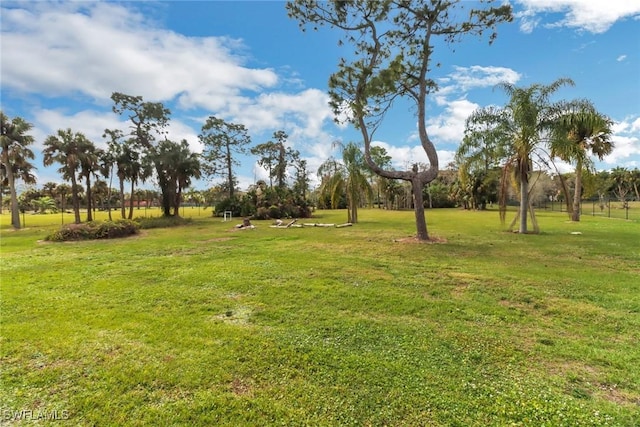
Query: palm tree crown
(580, 131)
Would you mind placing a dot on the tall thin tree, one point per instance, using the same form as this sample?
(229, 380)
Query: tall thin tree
(65, 148)
(223, 142)
(14, 156)
(393, 43)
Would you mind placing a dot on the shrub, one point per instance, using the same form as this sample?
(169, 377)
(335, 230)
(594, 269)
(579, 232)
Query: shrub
(228, 204)
(262, 213)
(94, 230)
(275, 212)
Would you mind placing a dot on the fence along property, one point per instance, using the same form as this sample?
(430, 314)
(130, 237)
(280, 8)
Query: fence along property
(604, 207)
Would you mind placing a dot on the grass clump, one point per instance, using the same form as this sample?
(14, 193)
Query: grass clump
(94, 230)
(162, 222)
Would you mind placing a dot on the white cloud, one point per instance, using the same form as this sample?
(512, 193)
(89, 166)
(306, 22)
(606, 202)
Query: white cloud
(90, 123)
(449, 126)
(621, 58)
(476, 76)
(98, 48)
(177, 131)
(403, 157)
(595, 16)
(625, 147)
(269, 111)
(626, 139)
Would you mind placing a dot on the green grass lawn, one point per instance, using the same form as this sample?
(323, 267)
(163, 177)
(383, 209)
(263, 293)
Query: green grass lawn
(207, 325)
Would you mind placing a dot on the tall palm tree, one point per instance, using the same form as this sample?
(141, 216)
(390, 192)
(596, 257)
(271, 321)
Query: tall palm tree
(349, 178)
(577, 133)
(380, 157)
(89, 165)
(49, 188)
(14, 156)
(100, 193)
(62, 191)
(116, 156)
(22, 170)
(187, 167)
(518, 130)
(65, 148)
(134, 168)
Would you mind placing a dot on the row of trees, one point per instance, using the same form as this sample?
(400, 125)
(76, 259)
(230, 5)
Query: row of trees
(501, 147)
(477, 178)
(343, 182)
(142, 151)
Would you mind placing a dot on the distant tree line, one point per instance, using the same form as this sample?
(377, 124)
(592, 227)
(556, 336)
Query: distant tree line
(108, 178)
(490, 166)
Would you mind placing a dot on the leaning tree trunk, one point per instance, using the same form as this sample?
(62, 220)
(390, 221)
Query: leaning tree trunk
(577, 195)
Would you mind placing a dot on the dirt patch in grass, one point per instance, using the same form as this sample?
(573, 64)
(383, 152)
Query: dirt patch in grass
(236, 316)
(611, 393)
(582, 376)
(241, 387)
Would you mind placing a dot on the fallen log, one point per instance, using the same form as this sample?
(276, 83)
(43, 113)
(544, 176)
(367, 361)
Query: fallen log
(291, 223)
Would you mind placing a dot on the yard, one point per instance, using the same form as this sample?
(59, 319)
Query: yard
(209, 325)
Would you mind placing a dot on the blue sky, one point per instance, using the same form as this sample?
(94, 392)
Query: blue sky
(247, 62)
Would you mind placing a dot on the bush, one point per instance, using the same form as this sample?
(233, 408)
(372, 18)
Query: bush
(94, 230)
(275, 212)
(262, 213)
(162, 222)
(227, 204)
